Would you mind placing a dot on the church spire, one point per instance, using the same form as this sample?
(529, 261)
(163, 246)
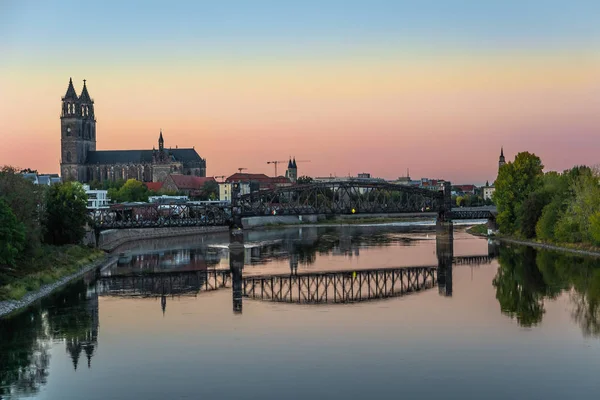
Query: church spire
(161, 142)
(71, 94)
(85, 96)
(501, 160)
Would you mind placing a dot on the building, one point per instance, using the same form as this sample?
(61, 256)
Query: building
(190, 185)
(225, 190)
(462, 190)
(42, 179)
(97, 199)
(501, 160)
(259, 181)
(488, 192)
(292, 171)
(81, 161)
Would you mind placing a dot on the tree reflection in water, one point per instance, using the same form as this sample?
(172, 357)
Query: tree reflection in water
(526, 277)
(70, 315)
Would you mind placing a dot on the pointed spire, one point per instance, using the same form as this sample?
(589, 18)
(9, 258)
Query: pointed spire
(290, 165)
(161, 141)
(294, 163)
(85, 96)
(71, 94)
(502, 151)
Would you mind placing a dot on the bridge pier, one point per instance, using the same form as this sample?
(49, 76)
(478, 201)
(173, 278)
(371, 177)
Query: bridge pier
(444, 241)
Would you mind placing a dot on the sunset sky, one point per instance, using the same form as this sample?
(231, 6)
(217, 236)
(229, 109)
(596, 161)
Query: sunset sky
(354, 86)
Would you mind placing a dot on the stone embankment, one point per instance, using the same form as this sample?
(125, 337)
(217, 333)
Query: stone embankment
(111, 239)
(9, 306)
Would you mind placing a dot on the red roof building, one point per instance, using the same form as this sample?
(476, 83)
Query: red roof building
(264, 181)
(188, 184)
(154, 186)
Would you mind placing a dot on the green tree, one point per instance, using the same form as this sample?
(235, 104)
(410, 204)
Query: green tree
(304, 180)
(12, 236)
(516, 180)
(210, 190)
(133, 190)
(66, 214)
(25, 200)
(520, 286)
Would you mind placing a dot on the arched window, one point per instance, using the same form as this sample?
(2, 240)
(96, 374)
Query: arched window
(68, 156)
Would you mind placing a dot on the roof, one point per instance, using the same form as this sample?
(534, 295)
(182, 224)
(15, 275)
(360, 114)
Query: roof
(464, 187)
(85, 96)
(71, 94)
(241, 177)
(155, 186)
(138, 156)
(43, 180)
(190, 181)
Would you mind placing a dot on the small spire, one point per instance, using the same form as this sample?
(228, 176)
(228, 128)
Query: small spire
(71, 94)
(502, 151)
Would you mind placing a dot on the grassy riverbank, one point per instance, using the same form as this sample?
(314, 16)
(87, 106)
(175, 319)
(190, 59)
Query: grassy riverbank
(581, 248)
(49, 264)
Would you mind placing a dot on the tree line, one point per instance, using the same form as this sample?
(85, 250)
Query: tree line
(32, 216)
(553, 207)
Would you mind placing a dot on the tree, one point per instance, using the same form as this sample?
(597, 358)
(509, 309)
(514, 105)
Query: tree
(25, 200)
(210, 190)
(66, 214)
(133, 190)
(516, 180)
(304, 180)
(12, 236)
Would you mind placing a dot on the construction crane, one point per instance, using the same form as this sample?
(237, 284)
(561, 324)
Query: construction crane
(277, 162)
(241, 169)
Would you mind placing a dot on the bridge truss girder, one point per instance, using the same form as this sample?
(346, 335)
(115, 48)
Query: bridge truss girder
(340, 198)
(156, 216)
(340, 287)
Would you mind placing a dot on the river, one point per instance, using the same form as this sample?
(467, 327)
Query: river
(508, 322)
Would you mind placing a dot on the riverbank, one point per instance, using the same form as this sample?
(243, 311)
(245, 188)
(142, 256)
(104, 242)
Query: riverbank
(58, 267)
(580, 249)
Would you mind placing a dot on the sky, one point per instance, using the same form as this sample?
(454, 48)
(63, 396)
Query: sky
(435, 87)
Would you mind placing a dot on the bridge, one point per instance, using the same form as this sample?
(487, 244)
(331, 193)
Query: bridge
(331, 198)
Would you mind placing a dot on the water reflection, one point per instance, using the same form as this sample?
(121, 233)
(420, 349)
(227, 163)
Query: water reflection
(524, 283)
(527, 277)
(69, 316)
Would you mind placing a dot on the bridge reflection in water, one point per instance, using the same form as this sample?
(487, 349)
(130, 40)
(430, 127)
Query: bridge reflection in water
(327, 287)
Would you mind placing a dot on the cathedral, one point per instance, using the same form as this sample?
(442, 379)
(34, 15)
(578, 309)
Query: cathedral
(80, 161)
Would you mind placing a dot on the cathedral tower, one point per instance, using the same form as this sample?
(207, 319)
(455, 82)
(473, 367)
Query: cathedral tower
(78, 133)
(292, 171)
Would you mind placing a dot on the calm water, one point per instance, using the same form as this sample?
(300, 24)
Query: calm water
(508, 322)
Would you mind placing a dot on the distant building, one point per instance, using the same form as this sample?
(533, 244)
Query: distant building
(260, 181)
(292, 171)
(188, 184)
(488, 192)
(225, 190)
(42, 179)
(501, 160)
(463, 189)
(167, 199)
(154, 186)
(97, 199)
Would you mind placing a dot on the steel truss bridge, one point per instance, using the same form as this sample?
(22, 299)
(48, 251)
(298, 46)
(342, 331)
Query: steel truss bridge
(340, 287)
(335, 198)
(302, 288)
(331, 198)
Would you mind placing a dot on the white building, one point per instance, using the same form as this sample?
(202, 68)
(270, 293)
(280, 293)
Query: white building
(488, 191)
(97, 199)
(225, 190)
